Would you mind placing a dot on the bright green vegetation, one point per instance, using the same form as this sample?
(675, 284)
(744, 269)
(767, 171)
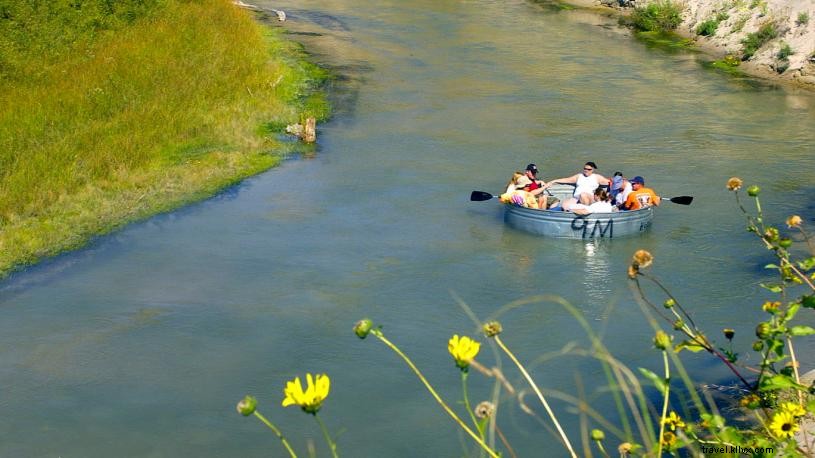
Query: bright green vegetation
(113, 111)
(729, 64)
(708, 28)
(754, 41)
(657, 17)
(803, 18)
(666, 41)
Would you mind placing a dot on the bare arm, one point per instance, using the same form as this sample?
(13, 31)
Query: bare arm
(571, 179)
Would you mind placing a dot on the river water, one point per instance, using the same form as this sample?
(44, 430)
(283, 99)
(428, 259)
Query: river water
(141, 344)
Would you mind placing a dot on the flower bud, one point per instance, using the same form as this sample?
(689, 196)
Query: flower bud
(758, 345)
(763, 330)
(247, 405)
(662, 341)
(734, 184)
(793, 221)
(728, 333)
(624, 448)
(751, 401)
(492, 329)
(363, 327)
(642, 259)
(770, 306)
(484, 409)
(753, 191)
(771, 234)
(669, 303)
(597, 435)
(679, 324)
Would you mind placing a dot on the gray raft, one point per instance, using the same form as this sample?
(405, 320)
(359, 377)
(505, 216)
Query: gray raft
(568, 225)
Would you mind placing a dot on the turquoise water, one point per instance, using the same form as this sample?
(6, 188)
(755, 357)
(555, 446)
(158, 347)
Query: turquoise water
(141, 344)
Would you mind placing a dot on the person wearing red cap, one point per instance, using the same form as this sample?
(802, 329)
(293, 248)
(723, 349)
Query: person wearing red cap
(640, 196)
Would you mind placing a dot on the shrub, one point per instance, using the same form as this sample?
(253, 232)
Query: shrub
(785, 52)
(722, 16)
(707, 28)
(803, 18)
(657, 17)
(754, 41)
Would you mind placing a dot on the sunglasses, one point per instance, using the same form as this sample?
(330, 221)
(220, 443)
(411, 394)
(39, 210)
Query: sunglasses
(589, 169)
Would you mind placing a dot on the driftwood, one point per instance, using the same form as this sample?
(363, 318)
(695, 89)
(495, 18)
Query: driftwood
(281, 15)
(307, 133)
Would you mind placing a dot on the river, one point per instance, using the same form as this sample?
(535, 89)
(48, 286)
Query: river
(142, 343)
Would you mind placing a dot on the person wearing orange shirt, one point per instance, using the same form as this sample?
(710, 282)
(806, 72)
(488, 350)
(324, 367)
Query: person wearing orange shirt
(640, 196)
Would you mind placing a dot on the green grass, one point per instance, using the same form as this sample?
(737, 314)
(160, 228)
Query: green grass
(785, 51)
(119, 110)
(754, 41)
(657, 17)
(707, 28)
(803, 18)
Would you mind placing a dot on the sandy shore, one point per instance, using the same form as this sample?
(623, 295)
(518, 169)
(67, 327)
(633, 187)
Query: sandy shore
(793, 21)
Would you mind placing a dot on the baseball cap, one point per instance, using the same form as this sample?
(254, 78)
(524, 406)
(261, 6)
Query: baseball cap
(532, 168)
(638, 179)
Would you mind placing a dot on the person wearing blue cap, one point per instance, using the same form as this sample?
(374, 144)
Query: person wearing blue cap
(619, 189)
(640, 195)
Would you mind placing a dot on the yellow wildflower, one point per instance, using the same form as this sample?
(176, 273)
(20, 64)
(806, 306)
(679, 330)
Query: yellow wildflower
(770, 306)
(783, 425)
(734, 183)
(463, 350)
(312, 398)
(668, 439)
(624, 448)
(794, 409)
(794, 221)
(673, 421)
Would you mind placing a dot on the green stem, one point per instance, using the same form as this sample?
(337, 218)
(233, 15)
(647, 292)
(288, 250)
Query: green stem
(665, 400)
(467, 403)
(331, 444)
(436, 396)
(540, 395)
(277, 432)
(602, 449)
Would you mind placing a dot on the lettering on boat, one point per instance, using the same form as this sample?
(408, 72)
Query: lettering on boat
(580, 223)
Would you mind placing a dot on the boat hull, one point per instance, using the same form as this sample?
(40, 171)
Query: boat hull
(561, 224)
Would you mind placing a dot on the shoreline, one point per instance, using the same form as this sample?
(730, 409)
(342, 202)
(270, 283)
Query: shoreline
(741, 21)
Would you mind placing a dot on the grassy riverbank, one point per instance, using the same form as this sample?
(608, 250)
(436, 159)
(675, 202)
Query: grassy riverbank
(110, 113)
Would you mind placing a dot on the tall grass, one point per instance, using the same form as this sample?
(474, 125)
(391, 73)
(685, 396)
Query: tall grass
(149, 105)
(663, 16)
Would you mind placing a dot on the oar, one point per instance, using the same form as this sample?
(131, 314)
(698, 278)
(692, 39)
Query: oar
(478, 196)
(681, 200)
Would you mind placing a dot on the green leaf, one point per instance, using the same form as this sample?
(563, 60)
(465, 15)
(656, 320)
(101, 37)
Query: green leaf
(808, 301)
(771, 266)
(794, 307)
(688, 345)
(659, 382)
(811, 406)
(801, 331)
(779, 382)
(771, 288)
(807, 264)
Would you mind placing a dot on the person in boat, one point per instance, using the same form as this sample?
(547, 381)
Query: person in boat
(619, 189)
(584, 182)
(530, 183)
(601, 204)
(640, 196)
(516, 192)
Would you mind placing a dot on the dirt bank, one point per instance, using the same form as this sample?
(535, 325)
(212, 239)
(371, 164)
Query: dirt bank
(785, 53)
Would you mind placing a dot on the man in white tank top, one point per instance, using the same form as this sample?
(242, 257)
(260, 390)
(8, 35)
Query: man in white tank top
(584, 183)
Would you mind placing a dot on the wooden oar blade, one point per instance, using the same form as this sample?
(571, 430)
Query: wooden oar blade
(682, 200)
(478, 196)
